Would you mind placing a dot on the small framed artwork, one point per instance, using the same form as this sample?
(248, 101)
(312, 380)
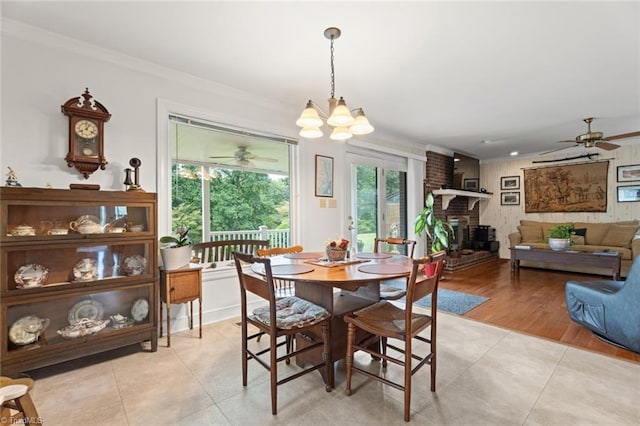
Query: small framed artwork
(471, 184)
(510, 183)
(629, 173)
(629, 193)
(324, 176)
(510, 198)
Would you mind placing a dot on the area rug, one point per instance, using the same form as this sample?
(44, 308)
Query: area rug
(454, 302)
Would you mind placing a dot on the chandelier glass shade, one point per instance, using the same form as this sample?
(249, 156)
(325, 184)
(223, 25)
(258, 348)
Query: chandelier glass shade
(344, 124)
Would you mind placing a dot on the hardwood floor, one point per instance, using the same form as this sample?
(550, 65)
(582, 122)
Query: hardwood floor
(532, 303)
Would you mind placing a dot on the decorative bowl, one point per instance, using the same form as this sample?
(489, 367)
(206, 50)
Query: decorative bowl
(336, 255)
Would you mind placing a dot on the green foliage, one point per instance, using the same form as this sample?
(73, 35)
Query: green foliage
(180, 241)
(239, 200)
(435, 228)
(561, 231)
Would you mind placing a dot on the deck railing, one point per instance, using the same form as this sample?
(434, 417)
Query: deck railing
(276, 237)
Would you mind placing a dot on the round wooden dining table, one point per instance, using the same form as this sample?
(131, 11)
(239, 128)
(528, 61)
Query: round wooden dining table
(339, 287)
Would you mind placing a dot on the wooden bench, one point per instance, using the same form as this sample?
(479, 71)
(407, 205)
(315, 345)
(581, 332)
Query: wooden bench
(221, 251)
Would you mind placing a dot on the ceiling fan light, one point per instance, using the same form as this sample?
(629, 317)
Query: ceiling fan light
(310, 132)
(309, 117)
(341, 133)
(361, 125)
(340, 116)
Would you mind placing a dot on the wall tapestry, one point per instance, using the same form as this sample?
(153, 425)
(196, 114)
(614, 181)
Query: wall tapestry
(567, 188)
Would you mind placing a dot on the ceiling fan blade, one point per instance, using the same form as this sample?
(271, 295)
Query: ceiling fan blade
(265, 159)
(607, 146)
(622, 136)
(223, 157)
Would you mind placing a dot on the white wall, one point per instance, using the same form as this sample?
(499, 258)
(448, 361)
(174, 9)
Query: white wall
(41, 71)
(507, 218)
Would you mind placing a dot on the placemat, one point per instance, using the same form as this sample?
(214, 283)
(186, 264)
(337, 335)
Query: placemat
(373, 255)
(293, 269)
(303, 255)
(385, 268)
(334, 263)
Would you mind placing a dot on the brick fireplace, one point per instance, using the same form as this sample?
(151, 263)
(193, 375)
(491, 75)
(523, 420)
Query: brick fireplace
(439, 174)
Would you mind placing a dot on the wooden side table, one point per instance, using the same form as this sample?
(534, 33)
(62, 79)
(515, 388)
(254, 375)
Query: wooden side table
(180, 286)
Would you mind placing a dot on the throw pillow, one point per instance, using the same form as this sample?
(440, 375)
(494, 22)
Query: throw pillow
(581, 231)
(530, 233)
(619, 236)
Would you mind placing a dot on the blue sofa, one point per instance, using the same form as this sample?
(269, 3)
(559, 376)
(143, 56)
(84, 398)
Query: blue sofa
(608, 308)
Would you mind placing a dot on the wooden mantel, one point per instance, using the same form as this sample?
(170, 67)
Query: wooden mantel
(450, 194)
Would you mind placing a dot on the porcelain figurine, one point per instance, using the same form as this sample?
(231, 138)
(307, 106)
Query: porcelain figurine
(12, 178)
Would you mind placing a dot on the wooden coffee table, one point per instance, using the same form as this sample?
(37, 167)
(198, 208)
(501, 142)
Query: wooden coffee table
(566, 257)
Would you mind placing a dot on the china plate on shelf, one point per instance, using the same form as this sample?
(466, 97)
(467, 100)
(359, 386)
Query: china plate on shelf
(27, 329)
(140, 309)
(85, 309)
(85, 270)
(83, 327)
(134, 265)
(31, 275)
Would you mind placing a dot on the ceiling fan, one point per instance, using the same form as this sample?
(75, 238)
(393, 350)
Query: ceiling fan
(244, 158)
(595, 139)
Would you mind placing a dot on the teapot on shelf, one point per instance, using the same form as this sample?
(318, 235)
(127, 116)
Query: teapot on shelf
(87, 224)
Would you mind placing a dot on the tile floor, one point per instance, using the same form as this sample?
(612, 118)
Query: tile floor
(486, 376)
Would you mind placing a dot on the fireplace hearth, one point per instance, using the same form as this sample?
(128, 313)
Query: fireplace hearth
(456, 260)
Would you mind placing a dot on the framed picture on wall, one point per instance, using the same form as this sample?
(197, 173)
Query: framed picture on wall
(471, 184)
(629, 193)
(324, 176)
(629, 173)
(510, 183)
(509, 198)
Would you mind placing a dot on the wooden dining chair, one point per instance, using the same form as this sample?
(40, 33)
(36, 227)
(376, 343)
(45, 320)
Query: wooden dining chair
(384, 320)
(283, 287)
(289, 316)
(221, 251)
(17, 407)
(406, 247)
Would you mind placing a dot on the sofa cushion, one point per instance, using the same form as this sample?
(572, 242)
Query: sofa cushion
(596, 232)
(577, 239)
(619, 236)
(530, 233)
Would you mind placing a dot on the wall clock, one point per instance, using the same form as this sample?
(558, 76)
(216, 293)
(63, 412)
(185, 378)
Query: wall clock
(86, 133)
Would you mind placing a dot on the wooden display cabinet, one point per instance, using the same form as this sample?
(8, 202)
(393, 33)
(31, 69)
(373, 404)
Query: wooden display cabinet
(59, 290)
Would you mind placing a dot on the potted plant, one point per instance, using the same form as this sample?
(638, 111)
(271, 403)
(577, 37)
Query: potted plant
(560, 237)
(176, 251)
(436, 229)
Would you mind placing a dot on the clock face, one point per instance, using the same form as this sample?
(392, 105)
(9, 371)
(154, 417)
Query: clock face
(86, 129)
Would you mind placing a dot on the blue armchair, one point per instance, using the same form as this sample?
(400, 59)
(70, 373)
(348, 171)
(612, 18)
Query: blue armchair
(610, 309)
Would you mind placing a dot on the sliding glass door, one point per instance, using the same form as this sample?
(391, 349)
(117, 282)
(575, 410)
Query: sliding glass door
(378, 199)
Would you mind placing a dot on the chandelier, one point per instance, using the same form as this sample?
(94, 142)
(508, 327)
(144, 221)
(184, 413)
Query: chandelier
(339, 118)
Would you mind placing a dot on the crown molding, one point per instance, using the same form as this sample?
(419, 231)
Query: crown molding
(439, 150)
(39, 36)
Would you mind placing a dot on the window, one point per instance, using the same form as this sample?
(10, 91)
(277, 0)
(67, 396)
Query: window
(229, 183)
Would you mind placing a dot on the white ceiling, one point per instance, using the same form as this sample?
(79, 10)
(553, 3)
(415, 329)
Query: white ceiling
(520, 74)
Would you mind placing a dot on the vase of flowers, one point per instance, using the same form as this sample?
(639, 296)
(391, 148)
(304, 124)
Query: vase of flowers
(337, 249)
(176, 251)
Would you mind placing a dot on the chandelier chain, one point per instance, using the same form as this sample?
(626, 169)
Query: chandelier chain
(333, 84)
